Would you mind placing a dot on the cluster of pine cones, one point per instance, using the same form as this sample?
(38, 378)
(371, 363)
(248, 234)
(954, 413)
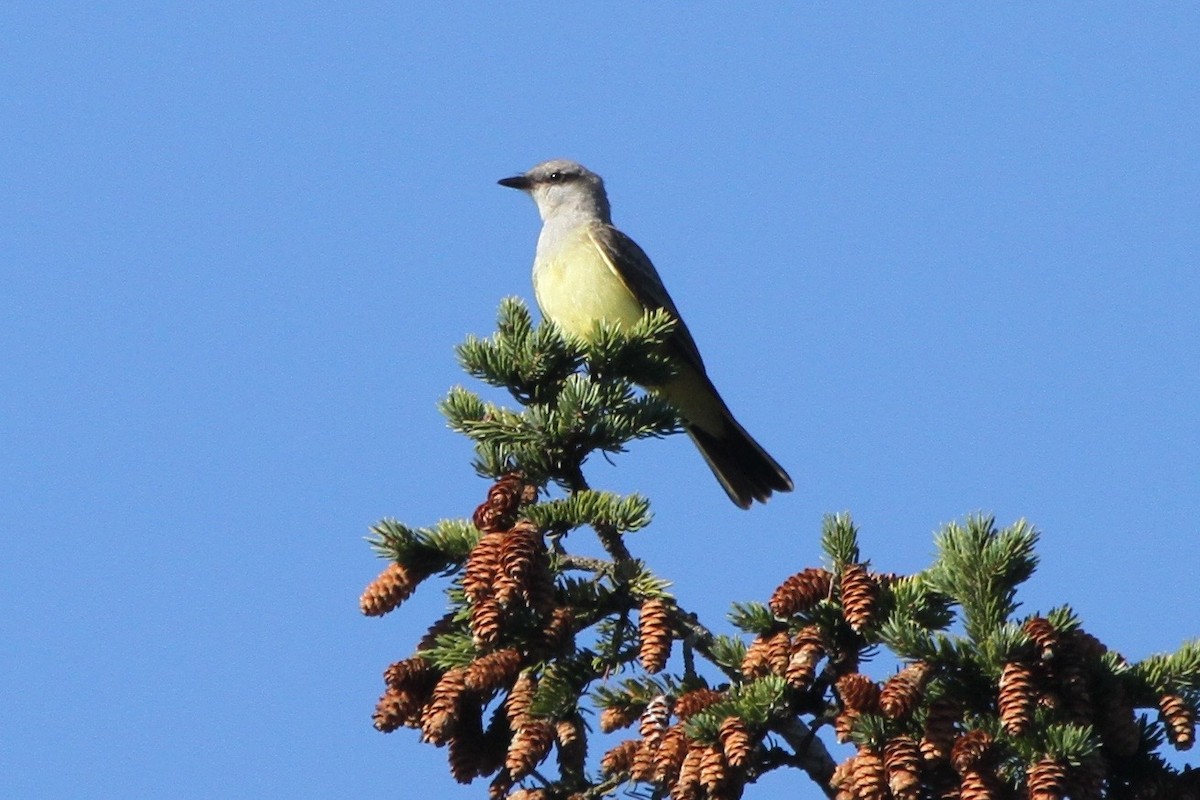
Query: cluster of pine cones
(511, 598)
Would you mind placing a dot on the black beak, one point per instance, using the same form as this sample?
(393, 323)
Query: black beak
(516, 182)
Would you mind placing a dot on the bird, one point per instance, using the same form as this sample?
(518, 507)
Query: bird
(585, 270)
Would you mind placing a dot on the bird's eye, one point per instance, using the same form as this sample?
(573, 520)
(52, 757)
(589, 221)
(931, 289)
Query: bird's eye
(555, 176)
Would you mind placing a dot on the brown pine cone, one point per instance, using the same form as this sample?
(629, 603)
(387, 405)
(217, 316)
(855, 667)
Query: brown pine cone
(558, 635)
(440, 716)
(410, 672)
(654, 630)
(858, 693)
(940, 731)
(801, 592)
(619, 760)
(870, 776)
(735, 741)
(499, 511)
(483, 564)
(1017, 697)
(858, 596)
(687, 787)
(902, 760)
(977, 785)
(487, 622)
(410, 684)
(668, 759)
(779, 652)
(808, 648)
(1044, 635)
(530, 745)
(843, 778)
(466, 748)
(524, 573)
(756, 663)
(693, 702)
(494, 670)
(971, 752)
(616, 717)
(394, 710)
(519, 700)
(1046, 780)
(572, 745)
(1179, 716)
(393, 586)
(902, 692)
(643, 762)
(714, 771)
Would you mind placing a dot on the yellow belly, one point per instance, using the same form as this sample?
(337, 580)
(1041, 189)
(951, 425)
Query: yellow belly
(575, 287)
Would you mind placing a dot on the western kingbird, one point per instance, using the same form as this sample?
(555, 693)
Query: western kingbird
(586, 270)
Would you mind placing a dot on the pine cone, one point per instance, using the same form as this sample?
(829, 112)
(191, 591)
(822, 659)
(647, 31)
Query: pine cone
(756, 663)
(466, 747)
(971, 752)
(1047, 779)
(619, 760)
(902, 692)
(498, 512)
(858, 596)
(1043, 634)
(779, 652)
(801, 592)
(1179, 716)
(870, 776)
(483, 564)
(494, 670)
(714, 771)
(940, 731)
(558, 635)
(654, 628)
(394, 710)
(519, 700)
(654, 720)
(493, 747)
(530, 745)
(393, 586)
(1074, 684)
(808, 648)
(410, 683)
(978, 786)
(525, 570)
(693, 702)
(1017, 697)
(843, 778)
(858, 693)
(643, 762)
(668, 759)
(410, 672)
(441, 715)
(735, 741)
(616, 717)
(572, 745)
(688, 785)
(487, 622)
(902, 759)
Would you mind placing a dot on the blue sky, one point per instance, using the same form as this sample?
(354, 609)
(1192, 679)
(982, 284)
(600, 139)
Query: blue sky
(939, 259)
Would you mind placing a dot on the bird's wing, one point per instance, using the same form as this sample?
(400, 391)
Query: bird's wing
(629, 263)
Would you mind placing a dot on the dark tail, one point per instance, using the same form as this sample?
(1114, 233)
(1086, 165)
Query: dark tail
(745, 470)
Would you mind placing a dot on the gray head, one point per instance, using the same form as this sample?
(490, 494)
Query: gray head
(562, 187)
